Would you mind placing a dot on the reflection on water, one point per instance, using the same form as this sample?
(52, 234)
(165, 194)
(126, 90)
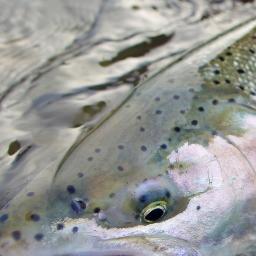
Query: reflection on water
(139, 49)
(63, 72)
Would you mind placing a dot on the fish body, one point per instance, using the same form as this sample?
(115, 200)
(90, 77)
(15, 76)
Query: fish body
(164, 174)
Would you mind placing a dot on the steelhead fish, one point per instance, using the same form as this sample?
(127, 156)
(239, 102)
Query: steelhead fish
(172, 172)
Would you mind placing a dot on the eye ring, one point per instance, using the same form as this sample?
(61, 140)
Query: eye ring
(153, 212)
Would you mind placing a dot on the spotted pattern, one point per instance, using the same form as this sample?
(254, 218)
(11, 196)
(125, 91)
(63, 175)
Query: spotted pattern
(235, 67)
(149, 134)
(205, 114)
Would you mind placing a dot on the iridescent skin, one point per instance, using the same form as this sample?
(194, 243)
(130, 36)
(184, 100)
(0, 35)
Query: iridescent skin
(174, 141)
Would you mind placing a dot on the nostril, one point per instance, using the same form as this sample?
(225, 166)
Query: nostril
(78, 205)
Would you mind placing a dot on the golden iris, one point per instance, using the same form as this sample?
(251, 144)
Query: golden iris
(154, 211)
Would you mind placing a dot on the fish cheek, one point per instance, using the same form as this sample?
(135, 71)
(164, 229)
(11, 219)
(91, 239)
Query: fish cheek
(116, 211)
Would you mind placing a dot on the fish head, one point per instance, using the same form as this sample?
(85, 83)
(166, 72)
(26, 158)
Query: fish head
(149, 179)
(178, 188)
(142, 202)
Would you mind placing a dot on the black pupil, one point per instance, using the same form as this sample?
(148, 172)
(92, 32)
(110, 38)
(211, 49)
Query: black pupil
(154, 215)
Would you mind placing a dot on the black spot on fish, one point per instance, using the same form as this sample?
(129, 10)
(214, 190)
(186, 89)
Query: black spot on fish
(221, 58)
(252, 51)
(30, 194)
(163, 146)
(90, 158)
(231, 100)
(240, 71)
(216, 72)
(194, 122)
(214, 133)
(97, 150)
(120, 168)
(157, 98)
(176, 129)
(16, 235)
(158, 112)
(227, 81)
(201, 109)
(120, 147)
(198, 207)
(216, 81)
(142, 129)
(60, 226)
(34, 217)
(71, 189)
(176, 97)
(168, 194)
(75, 230)
(143, 198)
(215, 102)
(182, 111)
(4, 218)
(241, 87)
(96, 210)
(39, 237)
(143, 148)
(138, 117)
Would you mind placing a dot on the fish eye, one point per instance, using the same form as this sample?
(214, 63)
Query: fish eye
(154, 212)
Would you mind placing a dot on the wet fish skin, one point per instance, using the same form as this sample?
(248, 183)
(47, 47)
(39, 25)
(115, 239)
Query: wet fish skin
(130, 160)
(155, 129)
